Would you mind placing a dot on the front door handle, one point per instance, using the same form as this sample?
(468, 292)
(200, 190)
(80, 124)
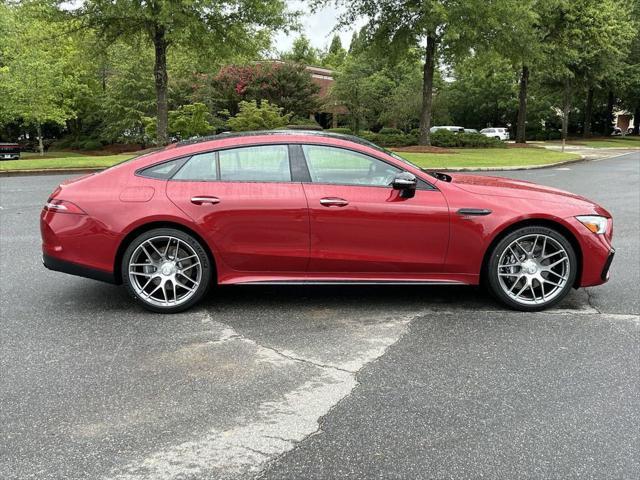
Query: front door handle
(205, 199)
(333, 202)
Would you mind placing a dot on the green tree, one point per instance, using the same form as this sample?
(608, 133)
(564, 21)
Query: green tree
(570, 26)
(335, 54)
(302, 52)
(218, 26)
(190, 121)
(258, 117)
(38, 75)
(435, 25)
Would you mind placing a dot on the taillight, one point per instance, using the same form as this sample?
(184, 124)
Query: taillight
(63, 206)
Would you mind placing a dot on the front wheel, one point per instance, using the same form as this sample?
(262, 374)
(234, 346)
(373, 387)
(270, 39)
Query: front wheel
(532, 268)
(166, 270)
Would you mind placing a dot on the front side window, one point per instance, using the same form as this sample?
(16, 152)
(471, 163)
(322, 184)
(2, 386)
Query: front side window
(266, 163)
(345, 167)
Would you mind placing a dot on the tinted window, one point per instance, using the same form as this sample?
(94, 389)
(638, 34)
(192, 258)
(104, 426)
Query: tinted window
(266, 163)
(198, 167)
(345, 167)
(163, 170)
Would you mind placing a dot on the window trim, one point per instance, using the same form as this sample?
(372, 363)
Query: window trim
(181, 161)
(422, 184)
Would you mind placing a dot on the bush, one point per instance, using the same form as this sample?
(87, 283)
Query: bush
(302, 123)
(390, 131)
(390, 140)
(343, 130)
(91, 144)
(448, 139)
(444, 138)
(254, 117)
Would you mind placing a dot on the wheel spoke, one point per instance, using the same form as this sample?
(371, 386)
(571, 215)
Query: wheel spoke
(182, 285)
(142, 274)
(197, 264)
(154, 247)
(146, 252)
(166, 248)
(535, 242)
(556, 263)
(510, 274)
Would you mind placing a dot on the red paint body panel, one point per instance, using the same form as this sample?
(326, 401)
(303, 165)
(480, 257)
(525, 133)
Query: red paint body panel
(280, 231)
(355, 238)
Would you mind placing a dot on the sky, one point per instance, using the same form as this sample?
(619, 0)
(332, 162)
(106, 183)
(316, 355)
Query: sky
(316, 26)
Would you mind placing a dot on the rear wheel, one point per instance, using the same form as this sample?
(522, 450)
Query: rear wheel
(166, 270)
(532, 268)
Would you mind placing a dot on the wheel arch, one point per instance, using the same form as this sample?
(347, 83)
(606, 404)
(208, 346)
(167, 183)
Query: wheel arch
(535, 222)
(145, 227)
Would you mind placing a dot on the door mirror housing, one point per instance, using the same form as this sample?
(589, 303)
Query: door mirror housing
(406, 183)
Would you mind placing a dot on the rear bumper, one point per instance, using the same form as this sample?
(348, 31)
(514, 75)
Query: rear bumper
(71, 268)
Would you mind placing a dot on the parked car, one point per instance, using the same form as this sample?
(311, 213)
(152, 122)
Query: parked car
(617, 132)
(287, 207)
(470, 130)
(498, 133)
(9, 151)
(447, 127)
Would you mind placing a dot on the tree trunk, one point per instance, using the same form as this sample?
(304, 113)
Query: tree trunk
(588, 110)
(521, 124)
(636, 121)
(566, 109)
(161, 79)
(40, 142)
(427, 91)
(608, 124)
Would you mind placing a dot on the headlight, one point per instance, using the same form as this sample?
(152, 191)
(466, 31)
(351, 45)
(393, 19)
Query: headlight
(595, 223)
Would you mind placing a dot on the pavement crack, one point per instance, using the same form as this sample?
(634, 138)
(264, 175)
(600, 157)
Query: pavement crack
(590, 301)
(296, 358)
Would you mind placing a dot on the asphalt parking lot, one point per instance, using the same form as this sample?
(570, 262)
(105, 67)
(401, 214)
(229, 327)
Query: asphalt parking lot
(319, 382)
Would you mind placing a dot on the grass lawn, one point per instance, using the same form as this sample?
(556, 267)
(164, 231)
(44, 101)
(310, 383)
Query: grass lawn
(487, 157)
(61, 160)
(606, 142)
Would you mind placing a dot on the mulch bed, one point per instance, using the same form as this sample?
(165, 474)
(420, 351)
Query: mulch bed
(423, 149)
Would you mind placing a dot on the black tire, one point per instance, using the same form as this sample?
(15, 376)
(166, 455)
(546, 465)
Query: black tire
(493, 280)
(205, 276)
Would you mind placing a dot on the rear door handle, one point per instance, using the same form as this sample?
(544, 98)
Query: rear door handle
(333, 202)
(205, 199)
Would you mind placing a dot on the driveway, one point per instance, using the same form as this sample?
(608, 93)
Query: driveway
(322, 382)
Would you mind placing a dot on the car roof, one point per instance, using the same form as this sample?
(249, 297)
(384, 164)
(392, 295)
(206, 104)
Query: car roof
(262, 133)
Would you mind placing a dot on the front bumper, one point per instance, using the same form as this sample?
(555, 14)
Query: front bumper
(607, 266)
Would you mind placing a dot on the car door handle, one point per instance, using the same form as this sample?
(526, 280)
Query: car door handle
(333, 202)
(205, 199)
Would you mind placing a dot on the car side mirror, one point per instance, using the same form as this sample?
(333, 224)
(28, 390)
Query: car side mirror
(406, 183)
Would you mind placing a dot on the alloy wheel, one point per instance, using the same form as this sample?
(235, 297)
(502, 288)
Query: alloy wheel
(164, 271)
(534, 269)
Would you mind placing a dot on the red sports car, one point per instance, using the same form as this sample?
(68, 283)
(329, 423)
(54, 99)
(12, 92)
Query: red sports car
(289, 207)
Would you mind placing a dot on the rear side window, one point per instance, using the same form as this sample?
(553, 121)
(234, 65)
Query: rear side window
(266, 163)
(199, 167)
(163, 170)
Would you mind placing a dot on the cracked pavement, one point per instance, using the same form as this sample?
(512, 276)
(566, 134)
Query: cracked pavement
(319, 382)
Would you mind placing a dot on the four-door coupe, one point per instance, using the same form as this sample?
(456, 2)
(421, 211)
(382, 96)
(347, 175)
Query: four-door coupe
(307, 207)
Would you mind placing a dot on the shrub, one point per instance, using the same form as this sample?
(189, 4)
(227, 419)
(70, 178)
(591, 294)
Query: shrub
(91, 144)
(445, 138)
(390, 131)
(254, 117)
(302, 123)
(343, 130)
(190, 121)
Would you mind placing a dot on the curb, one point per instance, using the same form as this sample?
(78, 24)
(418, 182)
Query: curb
(61, 171)
(582, 158)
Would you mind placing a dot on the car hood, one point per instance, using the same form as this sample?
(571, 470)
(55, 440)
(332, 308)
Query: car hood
(506, 187)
